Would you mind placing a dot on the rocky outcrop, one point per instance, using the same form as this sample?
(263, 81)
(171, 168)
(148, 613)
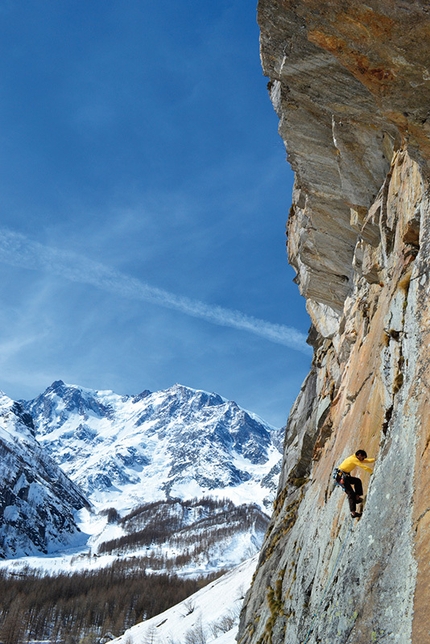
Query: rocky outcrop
(351, 85)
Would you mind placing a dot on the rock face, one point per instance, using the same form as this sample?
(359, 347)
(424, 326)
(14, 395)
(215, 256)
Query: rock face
(351, 85)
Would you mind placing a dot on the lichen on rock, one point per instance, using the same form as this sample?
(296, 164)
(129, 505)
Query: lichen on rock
(351, 86)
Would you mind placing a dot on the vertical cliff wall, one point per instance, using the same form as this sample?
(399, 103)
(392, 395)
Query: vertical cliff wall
(351, 85)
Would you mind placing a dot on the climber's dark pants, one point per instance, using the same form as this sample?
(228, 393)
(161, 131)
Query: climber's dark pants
(353, 488)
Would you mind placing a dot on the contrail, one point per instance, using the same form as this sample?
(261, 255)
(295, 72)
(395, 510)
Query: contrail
(17, 250)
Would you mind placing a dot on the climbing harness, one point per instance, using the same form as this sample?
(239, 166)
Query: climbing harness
(330, 579)
(339, 478)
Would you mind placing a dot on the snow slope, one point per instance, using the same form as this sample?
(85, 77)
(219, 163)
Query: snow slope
(211, 614)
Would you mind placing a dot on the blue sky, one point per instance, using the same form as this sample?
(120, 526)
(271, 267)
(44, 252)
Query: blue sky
(144, 194)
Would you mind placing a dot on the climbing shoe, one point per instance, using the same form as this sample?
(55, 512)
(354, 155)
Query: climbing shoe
(356, 515)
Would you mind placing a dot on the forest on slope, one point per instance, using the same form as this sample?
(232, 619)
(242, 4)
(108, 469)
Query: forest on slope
(86, 606)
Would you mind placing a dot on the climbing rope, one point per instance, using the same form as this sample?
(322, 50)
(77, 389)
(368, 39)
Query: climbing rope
(330, 579)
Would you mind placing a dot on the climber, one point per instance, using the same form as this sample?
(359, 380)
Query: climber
(351, 484)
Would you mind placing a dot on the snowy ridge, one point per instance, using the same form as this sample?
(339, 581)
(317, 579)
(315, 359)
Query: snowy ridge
(38, 501)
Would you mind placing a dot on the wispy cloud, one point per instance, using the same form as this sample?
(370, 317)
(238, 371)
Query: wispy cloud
(18, 250)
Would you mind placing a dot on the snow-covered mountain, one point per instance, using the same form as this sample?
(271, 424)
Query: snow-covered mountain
(154, 476)
(37, 500)
(178, 443)
(177, 481)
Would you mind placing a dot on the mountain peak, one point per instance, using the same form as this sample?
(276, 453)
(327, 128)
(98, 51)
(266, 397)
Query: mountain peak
(177, 442)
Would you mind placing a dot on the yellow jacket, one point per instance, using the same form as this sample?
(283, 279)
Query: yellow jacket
(352, 461)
